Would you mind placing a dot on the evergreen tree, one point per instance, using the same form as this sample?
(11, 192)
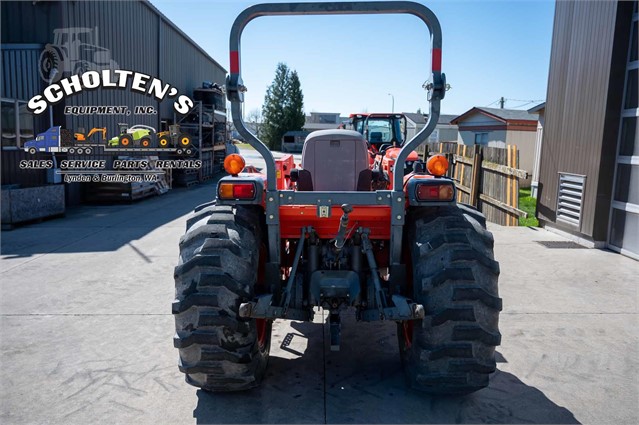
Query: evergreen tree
(273, 113)
(283, 108)
(294, 110)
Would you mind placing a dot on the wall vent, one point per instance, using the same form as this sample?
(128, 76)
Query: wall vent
(570, 198)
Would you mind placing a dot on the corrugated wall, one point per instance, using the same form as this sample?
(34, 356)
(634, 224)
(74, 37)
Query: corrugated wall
(576, 102)
(20, 62)
(121, 27)
(139, 38)
(188, 66)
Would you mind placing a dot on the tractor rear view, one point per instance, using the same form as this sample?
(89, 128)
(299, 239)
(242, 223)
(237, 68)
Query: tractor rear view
(335, 235)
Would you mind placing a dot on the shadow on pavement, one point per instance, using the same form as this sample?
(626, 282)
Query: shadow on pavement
(364, 383)
(103, 228)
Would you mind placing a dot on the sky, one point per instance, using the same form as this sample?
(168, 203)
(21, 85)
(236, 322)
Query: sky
(364, 63)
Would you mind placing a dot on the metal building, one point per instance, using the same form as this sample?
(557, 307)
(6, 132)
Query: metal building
(589, 171)
(128, 35)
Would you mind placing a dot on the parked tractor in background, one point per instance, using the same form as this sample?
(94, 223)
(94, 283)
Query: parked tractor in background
(282, 244)
(386, 134)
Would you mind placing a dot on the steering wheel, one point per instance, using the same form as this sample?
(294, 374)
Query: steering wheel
(383, 148)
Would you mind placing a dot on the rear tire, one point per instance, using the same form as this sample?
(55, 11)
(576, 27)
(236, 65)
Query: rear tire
(454, 275)
(217, 270)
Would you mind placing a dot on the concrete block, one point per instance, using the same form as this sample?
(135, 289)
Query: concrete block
(19, 205)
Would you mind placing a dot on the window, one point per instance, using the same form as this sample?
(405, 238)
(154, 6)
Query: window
(379, 131)
(481, 138)
(328, 119)
(17, 123)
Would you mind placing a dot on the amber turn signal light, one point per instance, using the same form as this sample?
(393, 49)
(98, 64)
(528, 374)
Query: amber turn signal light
(434, 192)
(234, 164)
(437, 165)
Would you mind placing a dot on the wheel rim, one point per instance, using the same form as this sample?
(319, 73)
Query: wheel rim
(125, 142)
(145, 143)
(184, 141)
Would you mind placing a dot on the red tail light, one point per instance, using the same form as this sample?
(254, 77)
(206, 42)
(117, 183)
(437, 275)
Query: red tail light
(236, 191)
(434, 192)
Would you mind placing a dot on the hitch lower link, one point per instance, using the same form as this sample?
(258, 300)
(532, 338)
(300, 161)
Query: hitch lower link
(343, 283)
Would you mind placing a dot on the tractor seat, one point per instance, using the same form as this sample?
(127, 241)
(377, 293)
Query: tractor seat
(376, 137)
(335, 160)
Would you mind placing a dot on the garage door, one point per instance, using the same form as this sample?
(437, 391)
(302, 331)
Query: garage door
(624, 212)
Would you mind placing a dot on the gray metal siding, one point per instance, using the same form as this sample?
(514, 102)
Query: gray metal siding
(577, 102)
(140, 39)
(20, 62)
(121, 26)
(24, 22)
(186, 67)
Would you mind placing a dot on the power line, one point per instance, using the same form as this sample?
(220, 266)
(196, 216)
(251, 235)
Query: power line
(524, 104)
(526, 100)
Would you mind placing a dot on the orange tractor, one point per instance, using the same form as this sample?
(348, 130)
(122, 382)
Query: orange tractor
(385, 134)
(335, 235)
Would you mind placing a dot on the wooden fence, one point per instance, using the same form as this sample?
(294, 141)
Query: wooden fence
(485, 177)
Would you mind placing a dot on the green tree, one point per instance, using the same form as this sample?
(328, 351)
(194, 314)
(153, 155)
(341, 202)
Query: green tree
(283, 106)
(294, 109)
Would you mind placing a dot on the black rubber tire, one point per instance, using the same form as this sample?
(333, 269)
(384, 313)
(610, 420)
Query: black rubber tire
(145, 142)
(164, 142)
(184, 140)
(454, 275)
(217, 270)
(126, 140)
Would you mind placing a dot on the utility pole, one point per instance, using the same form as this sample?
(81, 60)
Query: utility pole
(501, 102)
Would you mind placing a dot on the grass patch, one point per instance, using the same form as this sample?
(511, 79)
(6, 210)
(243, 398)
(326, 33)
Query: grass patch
(244, 146)
(529, 204)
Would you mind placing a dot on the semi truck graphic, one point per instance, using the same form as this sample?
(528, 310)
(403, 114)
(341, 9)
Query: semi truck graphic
(74, 50)
(56, 139)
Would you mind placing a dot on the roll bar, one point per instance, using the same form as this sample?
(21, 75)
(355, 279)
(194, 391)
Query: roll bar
(436, 87)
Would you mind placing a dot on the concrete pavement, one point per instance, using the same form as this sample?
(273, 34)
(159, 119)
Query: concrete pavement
(86, 336)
